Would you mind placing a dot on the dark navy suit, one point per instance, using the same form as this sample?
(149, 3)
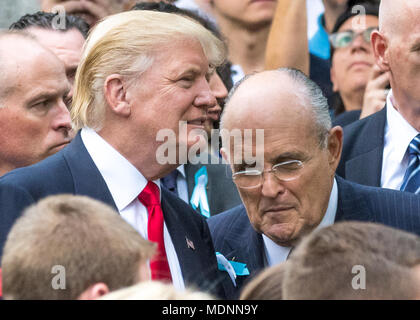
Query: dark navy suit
(363, 148)
(72, 171)
(234, 236)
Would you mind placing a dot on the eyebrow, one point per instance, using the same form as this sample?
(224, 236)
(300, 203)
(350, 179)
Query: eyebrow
(48, 95)
(290, 156)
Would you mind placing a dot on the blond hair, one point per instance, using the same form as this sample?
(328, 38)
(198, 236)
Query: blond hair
(125, 44)
(155, 290)
(85, 237)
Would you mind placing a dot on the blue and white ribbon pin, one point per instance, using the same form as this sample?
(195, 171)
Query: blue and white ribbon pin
(233, 268)
(199, 194)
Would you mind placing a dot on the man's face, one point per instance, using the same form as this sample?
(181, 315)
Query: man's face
(284, 210)
(220, 92)
(175, 88)
(67, 46)
(34, 119)
(352, 65)
(248, 13)
(403, 56)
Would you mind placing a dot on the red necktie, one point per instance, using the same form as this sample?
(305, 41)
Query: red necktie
(159, 266)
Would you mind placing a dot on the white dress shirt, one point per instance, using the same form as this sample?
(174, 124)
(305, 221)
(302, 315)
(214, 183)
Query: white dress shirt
(125, 183)
(398, 135)
(276, 254)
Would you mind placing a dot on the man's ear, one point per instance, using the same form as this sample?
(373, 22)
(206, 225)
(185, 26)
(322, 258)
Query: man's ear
(225, 155)
(380, 48)
(95, 291)
(335, 145)
(115, 92)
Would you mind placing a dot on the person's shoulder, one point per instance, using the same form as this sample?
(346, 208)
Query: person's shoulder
(33, 176)
(346, 118)
(375, 121)
(236, 216)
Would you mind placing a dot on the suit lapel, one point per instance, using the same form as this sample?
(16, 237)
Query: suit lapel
(185, 244)
(86, 177)
(367, 166)
(351, 204)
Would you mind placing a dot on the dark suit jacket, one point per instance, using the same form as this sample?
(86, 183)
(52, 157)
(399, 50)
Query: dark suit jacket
(221, 191)
(363, 147)
(72, 171)
(234, 236)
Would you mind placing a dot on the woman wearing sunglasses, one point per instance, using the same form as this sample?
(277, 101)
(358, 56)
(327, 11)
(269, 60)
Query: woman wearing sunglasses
(359, 85)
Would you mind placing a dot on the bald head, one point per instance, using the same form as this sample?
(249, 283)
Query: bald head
(262, 99)
(394, 15)
(20, 50)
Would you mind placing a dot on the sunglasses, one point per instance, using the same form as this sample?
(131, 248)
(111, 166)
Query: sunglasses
(345, 38)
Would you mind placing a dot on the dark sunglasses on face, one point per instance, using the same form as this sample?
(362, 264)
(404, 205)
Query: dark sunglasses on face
(345, 38)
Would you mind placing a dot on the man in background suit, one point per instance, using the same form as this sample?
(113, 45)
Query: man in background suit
(140, 72)
(294, 189)
(34, 119)
(383, 149)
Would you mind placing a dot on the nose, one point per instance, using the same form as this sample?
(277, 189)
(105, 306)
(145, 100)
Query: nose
(271, 186)
(205, 97)
(359, 44)
(218, 87)
(61, 117)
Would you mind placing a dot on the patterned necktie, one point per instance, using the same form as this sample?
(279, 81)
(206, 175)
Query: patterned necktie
(411, 182)
(159, 266)
(169, 181)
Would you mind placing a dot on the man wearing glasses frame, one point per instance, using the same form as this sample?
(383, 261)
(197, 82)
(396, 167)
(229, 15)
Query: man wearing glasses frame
(297, 190)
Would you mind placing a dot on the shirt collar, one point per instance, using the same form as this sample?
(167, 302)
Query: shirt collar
(181, 170)
(124, 183)
(398, 131)
(276, 254)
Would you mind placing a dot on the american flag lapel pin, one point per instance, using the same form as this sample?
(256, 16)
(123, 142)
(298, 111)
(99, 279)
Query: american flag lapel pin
(190, 244)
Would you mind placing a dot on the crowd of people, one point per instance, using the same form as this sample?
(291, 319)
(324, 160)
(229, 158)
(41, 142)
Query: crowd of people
(148, 151)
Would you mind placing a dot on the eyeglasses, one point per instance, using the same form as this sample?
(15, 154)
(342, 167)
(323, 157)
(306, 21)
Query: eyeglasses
(345, 38)
(283, 171)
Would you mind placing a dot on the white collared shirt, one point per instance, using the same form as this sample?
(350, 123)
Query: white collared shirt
(181, 183)
(276, 254)
(125, 183)
(398, 136)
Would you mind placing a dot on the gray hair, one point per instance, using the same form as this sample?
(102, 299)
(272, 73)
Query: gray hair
(310, 92)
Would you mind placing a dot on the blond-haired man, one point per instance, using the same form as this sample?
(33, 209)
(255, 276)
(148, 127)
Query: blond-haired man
(141, 72)
(69, 247)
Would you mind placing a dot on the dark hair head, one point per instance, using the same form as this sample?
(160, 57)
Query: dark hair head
(371, 9)
(45, 20)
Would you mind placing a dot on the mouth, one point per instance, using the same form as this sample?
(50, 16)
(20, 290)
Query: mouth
(60, 146)
(278, 209)
(360, 64)
(198, 122)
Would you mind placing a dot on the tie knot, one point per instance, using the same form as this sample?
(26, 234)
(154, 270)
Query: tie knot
(414, 148)
(150, 195)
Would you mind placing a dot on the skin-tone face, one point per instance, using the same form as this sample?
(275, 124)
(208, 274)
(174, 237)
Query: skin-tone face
(397, 49)
(34, 119)
(175, 88)
(352, 65)
(67, 46)
(284, 211)
(248, 12)
(219, 90)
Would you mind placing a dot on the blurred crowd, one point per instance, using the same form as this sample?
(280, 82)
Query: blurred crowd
(210, 149)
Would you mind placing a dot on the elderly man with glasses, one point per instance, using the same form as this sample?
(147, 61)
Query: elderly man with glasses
(291, 187)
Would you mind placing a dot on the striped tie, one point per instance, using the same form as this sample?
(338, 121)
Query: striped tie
(411, 182)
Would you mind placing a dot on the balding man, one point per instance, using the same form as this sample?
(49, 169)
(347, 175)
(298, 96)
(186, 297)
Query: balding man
(383, 149)
(291, 188)
(65, 42)
(34, 119)
(143, 74)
